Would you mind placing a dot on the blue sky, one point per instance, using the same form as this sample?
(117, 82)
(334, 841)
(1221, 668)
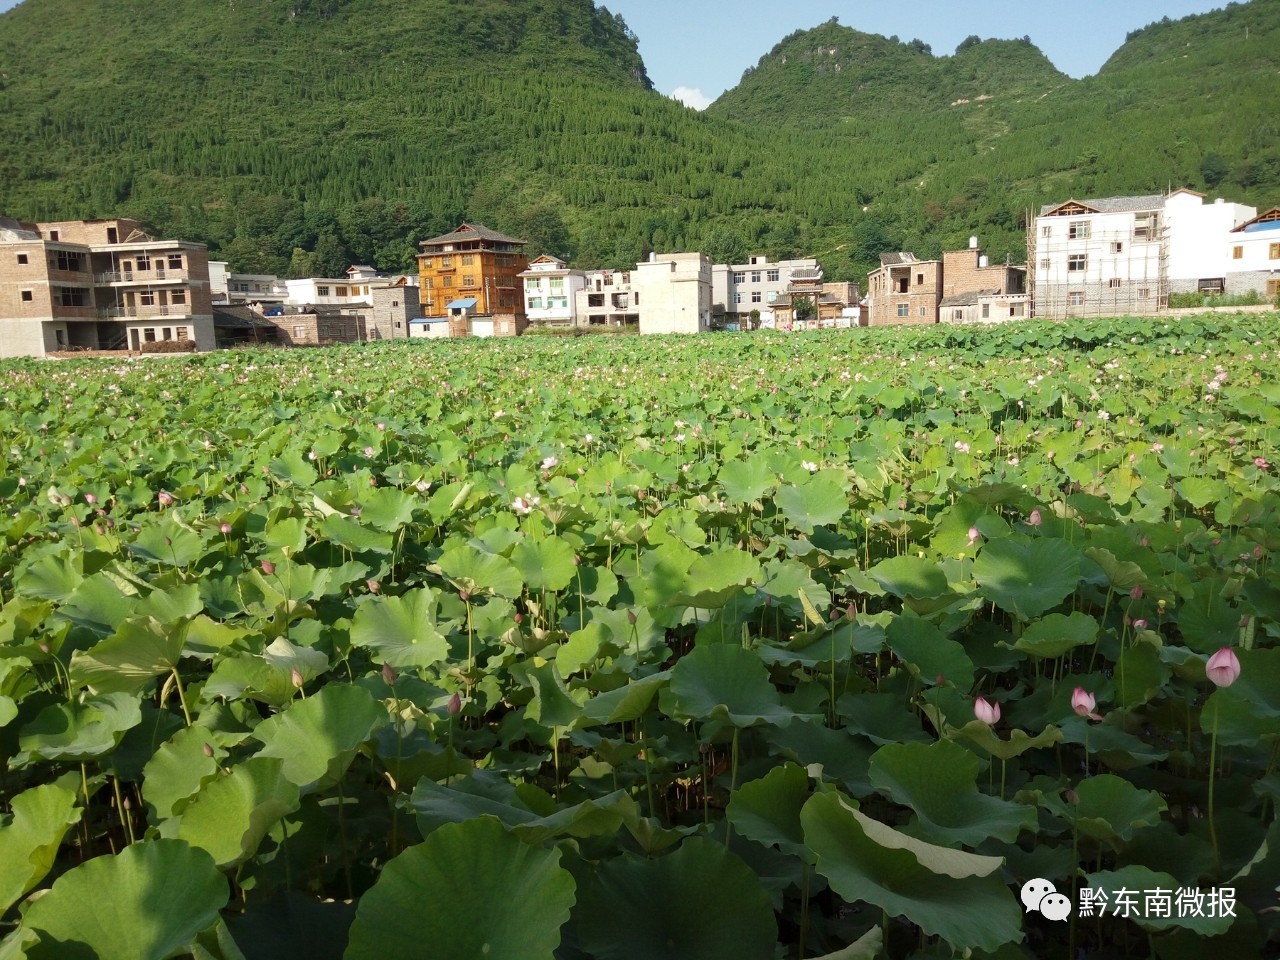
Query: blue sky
(701, 47)
(697, 49)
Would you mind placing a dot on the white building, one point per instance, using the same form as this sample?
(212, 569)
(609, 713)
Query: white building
(1254, 257)
(738, 289)
(606, 299)
(551, 292)
(351, 291)
(1125, 255)
(673, 293)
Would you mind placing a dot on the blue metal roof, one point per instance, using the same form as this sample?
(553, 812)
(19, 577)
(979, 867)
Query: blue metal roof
(466, 304)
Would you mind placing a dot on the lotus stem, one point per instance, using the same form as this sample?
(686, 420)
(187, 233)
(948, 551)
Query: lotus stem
(182, 695)
(1213, 769)
(733, 781)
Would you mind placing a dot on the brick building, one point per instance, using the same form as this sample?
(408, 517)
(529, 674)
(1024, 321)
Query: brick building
(904, 290)
(99, 285)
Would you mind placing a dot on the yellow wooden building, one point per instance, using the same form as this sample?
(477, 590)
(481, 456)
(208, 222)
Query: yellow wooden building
(472, 262)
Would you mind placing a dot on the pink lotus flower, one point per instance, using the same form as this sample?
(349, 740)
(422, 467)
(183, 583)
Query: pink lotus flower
(974, 535)
(1035, 519)
(1140, 624)
(268, 568)
(1223, 667)
(90, 499)
(224, 528)
(987, 711)
(165, 498)
(455, 705)
(1136, 592)
(1084, 703)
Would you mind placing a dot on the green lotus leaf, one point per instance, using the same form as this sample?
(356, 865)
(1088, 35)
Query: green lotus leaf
(469, 890)
(1249, 710)
(882, 718)
(907, 576)
(842, 756)
(387, 509)
(930, 654)
(1139, 674)
(629, 702)
(50, 577)
(292, 467)
(178, 769)
(1027, 577)
(129, 659)
(77, 731)
(1056, 634)
(1019, 742)
(167, 543)
(637, 909)
(478, 572)
(353, 535)
(30, 838)
(947, 893)
(869, 946)
(551, 705)
(713, 578)
(287, 535)
(230, 815)
(745, 481)
(145, 903)
(472, 797)
(768, 810)
(1201, 491)
(545, 563)
(317, 738)
(401, 630)
(725, 682)
(1109, 808)
(819, 501)
(939, 781)
(1208, 621)
(1122, 575)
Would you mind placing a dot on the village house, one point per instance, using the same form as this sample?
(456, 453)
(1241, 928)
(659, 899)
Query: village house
(99, 285)
(741, 290)
(550, 292)
(1254, 261)
(904, 290)
(976, 291)
(395, 305)
(606, 299)
(472, 262)
(673, 293)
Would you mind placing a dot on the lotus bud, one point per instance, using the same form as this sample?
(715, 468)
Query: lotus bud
(974, 535)
(455, 705)
(90, 499)
(519, 618)
(1140, 624)
(1084, 703)
(268, 568)
(389, 674)
(987, 711)
(1223, 667)
(1136, 592)
(295, 677)
(165, 498)
(225, 529)
(208, 750)
(465, 595)
(44, 648)
(373, 585)
(1035, 519)
(850, 612)
(631, 617)
(127, 805)
(835, 614)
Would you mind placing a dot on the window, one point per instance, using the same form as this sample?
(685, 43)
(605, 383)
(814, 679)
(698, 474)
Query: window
(395, 303)
(70, 296)
(737, 298)
(919, 279)
(468, 259)
(774, 276)
(1076, 263)
(505, 259)
(178, 296)
(531, 284)
(22, 258)
(322, 291)
(986, 311)
(168, 333)
(904, 309)
(342, 291)
(149, 335)
(922, 312)
(1146, 226)
(182, 333)
(1274, 253)
(1075, 298)
(1018, 310)
(1113, 283)
(739, 276)
(69, 261)
(446, 262)
(448, 281)
(1117, 247)
(26, 296)
(147, 298)
(1046, 232)
(755, 276)
(299, 331)
(468, 281)
(175, 263)
(557, 283)
(755, 296)
(53, 235)
(1078, 230)
(429, 283)
(426, 263)
(637, 298)
(560, 303)
(1144, 293)
(535, 303)
(1237, 253)
(1045, 264)
(62, 341)
(144, 261)
(113, 235)
(1273, 288)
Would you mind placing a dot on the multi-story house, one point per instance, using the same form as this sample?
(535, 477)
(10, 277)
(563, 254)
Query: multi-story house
(1254, 257)
(739, 290)
(1125, 255)
(99, 285)
(472, 262)
(395, 303)
(904, 290)
(673, 293)
(551, 291)
(607, 299)
(976, 291)
(327, 292)
(226, 287)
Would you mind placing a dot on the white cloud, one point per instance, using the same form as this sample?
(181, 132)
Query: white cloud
(691, 97)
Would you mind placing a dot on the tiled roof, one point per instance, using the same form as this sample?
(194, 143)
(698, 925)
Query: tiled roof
(896, 259)
(1154, 201)
(471, 231)
(968, 298)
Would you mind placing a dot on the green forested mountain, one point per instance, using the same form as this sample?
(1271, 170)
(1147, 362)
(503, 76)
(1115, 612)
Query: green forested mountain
(296, 136)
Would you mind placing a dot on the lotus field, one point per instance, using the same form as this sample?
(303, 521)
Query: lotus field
(725, 648)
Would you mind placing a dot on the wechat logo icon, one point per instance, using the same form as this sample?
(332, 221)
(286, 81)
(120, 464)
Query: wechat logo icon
(1042, 897)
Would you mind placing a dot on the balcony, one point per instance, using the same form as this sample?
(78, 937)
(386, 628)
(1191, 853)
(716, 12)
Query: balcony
(158, 275)
(144, 312)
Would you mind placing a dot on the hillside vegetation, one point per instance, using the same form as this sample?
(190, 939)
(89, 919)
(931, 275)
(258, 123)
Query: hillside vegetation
(296, 137)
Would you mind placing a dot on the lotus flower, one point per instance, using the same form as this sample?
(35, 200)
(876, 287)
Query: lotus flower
(974, 535)
(295, 677)
(987, 711)
(1223, 667)
(1084, 703)
(165, 498)
(455, 705)
(1035, 519)
(389, 674)
(268, 568)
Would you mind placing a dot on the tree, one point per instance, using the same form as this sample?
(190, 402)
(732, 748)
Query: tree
(970, 41)
(1213, 168)
(803, 308)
